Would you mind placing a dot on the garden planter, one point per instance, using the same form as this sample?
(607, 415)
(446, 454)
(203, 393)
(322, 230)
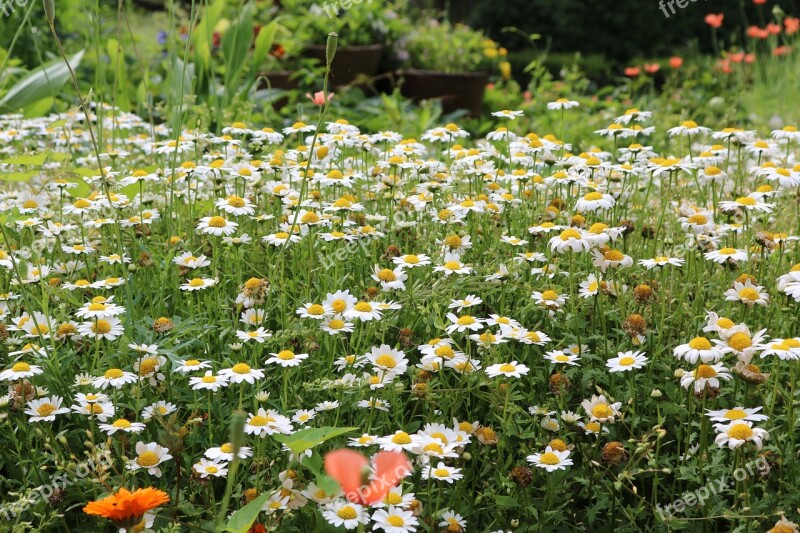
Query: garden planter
(455, 90)
(280, 80)
(277, 80)
(349, 61)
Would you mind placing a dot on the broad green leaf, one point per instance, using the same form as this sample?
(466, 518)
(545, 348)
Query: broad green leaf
(243, 519)
(35, 159)
(308, 438)
(117, 59)
(235, 46)
(42, 82)
(264, 42)
(38, 108)
(19, 177)
(81, 191)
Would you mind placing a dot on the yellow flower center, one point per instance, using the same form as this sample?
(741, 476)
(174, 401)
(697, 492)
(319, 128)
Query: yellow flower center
(191, 362)
(310, 218)
(627, 361)
(286, 355)
(613, 255)
(196, 282)
(241, 368)
(725, 323)
(549, 458)
(347, 513)
(466, 320)
(740, 432)
(46, 409)
(148, 366)
(698, 219)
(593, 196)
(401, 437)
(740, 341)
(749, 293)
(235, 201)
(101, 326)
(570, 234)
(549, 295)
(386, 361)
(705, 371)
(113, 373)
(217, 222)
(746, 200)
(386, 275)
(507, 367)
(395, 521)
(363, 307)
(453, 241)
(434, 447)
(735, 414)
(121, 423)
(316, 310)
(209, 379)
(282, 235)
(226, 448)
(148, 459)
(602, 410)
(700, 343)
(441, 472)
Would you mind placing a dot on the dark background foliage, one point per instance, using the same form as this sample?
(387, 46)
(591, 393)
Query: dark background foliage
(619, 30)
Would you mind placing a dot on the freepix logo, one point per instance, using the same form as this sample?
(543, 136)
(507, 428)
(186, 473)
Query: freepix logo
(668, 7)
(9, 7)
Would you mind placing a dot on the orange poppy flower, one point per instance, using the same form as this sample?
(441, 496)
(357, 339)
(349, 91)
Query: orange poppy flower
(126, 508)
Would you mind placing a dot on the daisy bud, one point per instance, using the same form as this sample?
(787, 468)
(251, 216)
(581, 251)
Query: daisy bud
(656, 394)
(262, 396)
(678, 373)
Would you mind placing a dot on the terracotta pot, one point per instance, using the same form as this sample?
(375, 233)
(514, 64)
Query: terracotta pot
(349, 61)
(463, 90)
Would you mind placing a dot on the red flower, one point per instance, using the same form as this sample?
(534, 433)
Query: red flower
(757, 33)
(781, 51)
(737, 57)
(792, 25)
(651, 68)
(675, 62)
(774, 29)
(715, 21)
(750, 58)
(632, 72)
(759, 2)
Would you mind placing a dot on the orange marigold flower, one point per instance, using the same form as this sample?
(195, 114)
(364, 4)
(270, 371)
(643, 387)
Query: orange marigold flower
(126, 508)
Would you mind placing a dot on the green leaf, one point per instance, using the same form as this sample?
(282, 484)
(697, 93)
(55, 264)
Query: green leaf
(117, 59)
(264, 42)
(35, 159)
(308, 438)
(19, 177)
(42, 82)
(235, 46)
(243, 519)
(506, 501)
(38, 108)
